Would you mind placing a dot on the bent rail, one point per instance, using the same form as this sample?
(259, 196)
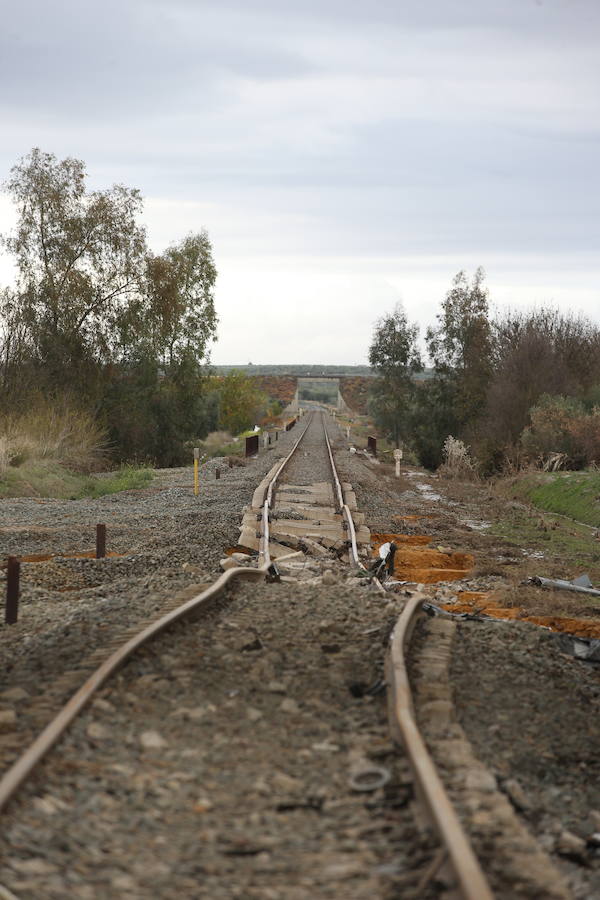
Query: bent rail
(471, 879)
(14, 777)
(18, 772)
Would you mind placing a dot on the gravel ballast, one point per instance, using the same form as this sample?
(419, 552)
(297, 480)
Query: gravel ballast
(219, 762)
(168, 539)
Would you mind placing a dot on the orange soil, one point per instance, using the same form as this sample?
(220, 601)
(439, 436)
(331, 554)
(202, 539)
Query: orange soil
(473, 601)
(414, 562)
(45, 557)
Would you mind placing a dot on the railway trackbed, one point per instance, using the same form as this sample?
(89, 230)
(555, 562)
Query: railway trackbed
(244, 750)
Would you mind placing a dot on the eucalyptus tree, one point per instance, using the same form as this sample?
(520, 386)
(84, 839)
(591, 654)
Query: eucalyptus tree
(79, 257)
(460, 347)
(95, 312)
(395, 357)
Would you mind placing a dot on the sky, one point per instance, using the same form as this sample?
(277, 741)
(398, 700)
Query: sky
(343, 155)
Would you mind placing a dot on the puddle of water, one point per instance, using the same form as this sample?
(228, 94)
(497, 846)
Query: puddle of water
(477, 525)
(428, 491)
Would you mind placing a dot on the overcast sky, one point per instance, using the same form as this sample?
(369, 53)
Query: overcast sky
(343, 155)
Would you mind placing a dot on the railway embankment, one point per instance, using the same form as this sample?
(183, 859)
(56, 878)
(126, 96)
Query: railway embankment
(228, 757)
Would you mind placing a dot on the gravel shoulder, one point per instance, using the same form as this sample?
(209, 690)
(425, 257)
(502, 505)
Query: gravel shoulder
(532, 715)
(167, 541)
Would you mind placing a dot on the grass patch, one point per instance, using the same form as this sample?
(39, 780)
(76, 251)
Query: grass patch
(572, 494)
(45, 478)
(41, 478)
(361, 428)
(568, 550)
(127, 478)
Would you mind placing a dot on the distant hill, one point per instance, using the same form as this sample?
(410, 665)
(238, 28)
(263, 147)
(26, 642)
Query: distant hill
(294, 370)
(297, 371)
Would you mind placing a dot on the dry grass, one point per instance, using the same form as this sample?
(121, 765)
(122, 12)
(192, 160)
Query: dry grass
(54, 432)
(458, 463)
(220, 443)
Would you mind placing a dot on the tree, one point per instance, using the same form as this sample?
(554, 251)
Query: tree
(79, 260)
(94, 311)
(240, 401)
(181, 314)
(395, 357)
(535, 353)
(460, 348)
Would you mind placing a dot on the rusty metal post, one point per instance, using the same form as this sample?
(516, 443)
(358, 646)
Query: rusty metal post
(217, 473)
(372, 445)
(277, 434)
(196, 470)
(100, 540)
(13, 571)
(252, 445)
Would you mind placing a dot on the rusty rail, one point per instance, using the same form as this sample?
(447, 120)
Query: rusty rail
(18, 772)
(469, 875)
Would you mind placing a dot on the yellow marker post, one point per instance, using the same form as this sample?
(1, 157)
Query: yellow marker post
(196, 464)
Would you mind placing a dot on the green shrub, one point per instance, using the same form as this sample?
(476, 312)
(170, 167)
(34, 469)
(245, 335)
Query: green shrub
(127, 478)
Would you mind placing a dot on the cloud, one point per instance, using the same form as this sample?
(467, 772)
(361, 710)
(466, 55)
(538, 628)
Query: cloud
(316, 131)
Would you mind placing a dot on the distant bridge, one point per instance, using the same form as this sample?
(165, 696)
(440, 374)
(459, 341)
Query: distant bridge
(323, 388)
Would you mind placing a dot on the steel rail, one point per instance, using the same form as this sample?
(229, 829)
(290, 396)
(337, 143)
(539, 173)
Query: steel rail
(343, 507)
(469, 874)
(263, 555)
(18, 772)
(14, 776)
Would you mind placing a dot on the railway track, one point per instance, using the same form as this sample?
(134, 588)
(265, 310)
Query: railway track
(302, 520)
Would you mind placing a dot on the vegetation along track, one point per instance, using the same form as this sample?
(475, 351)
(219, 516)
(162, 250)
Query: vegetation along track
(252, 753)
